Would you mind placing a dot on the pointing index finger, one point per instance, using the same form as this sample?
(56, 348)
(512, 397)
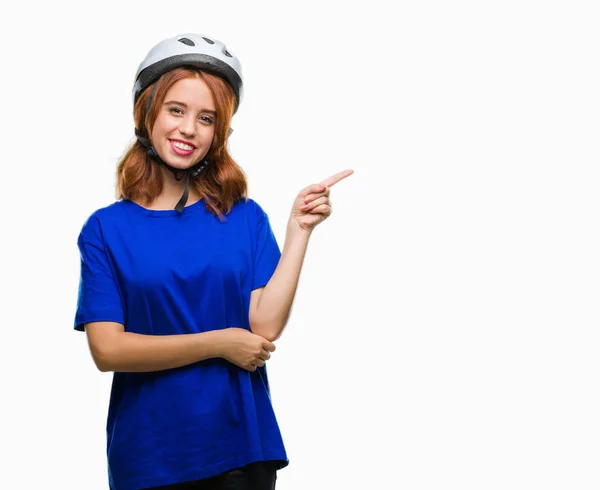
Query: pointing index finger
(334, 179)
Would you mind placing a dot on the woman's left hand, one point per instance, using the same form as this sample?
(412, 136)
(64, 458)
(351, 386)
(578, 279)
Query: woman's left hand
(313, 204)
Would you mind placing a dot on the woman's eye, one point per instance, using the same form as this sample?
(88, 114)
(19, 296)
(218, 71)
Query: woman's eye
(175, 110)
(206, 119)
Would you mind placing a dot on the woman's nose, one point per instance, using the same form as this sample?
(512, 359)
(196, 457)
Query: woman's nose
(188, 126)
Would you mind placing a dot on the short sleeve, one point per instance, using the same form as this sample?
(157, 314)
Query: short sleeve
(99, 299)
(267, 252)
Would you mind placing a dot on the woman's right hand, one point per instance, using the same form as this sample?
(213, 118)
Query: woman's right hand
(244, 348)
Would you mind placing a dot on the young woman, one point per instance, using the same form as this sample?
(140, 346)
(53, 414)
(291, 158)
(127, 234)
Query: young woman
(184, 289)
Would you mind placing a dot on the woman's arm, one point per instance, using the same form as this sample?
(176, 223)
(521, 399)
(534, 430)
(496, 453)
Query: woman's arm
(270, 307)
(113, 349)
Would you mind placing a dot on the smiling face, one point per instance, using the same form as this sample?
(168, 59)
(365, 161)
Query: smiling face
(185, 125)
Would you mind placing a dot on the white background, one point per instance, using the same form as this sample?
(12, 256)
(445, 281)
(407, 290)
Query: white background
(445, 329)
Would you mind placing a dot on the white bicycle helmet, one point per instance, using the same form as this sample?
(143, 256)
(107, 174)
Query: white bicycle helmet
(196, 50)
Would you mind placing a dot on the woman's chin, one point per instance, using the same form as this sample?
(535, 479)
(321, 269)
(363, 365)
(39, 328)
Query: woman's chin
(180, 163)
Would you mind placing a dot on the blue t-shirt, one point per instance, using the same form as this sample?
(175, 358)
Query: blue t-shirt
(161, 272)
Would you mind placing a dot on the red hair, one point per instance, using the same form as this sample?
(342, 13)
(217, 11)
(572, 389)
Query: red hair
(222, 183)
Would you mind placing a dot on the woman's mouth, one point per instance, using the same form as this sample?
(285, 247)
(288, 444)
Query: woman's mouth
(181, 148)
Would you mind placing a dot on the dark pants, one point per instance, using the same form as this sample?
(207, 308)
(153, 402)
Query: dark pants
(255, 476)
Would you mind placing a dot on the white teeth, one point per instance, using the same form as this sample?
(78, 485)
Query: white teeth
(182, 146)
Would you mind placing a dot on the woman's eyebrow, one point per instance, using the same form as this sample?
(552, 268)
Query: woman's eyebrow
(182, 104)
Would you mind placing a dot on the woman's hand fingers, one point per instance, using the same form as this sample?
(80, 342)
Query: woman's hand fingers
(334, 179)
(315, 195)
(312, 189)
(309, 206)
(324, 209)
(312, 205)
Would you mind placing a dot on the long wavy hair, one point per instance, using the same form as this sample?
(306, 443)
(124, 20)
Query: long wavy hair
(222, 183)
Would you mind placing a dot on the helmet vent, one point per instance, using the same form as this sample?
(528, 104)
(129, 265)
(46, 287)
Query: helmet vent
(209, 41)
(187, 41)
(226, 53)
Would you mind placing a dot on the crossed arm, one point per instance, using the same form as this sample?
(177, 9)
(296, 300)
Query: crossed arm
(113, 349)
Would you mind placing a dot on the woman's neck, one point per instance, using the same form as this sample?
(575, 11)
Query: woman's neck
(172, 191)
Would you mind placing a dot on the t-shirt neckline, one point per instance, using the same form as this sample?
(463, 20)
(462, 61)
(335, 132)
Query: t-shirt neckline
(165, 213)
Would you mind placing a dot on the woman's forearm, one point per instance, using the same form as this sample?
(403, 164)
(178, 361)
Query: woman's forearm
(131, 352)
(275, 302)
